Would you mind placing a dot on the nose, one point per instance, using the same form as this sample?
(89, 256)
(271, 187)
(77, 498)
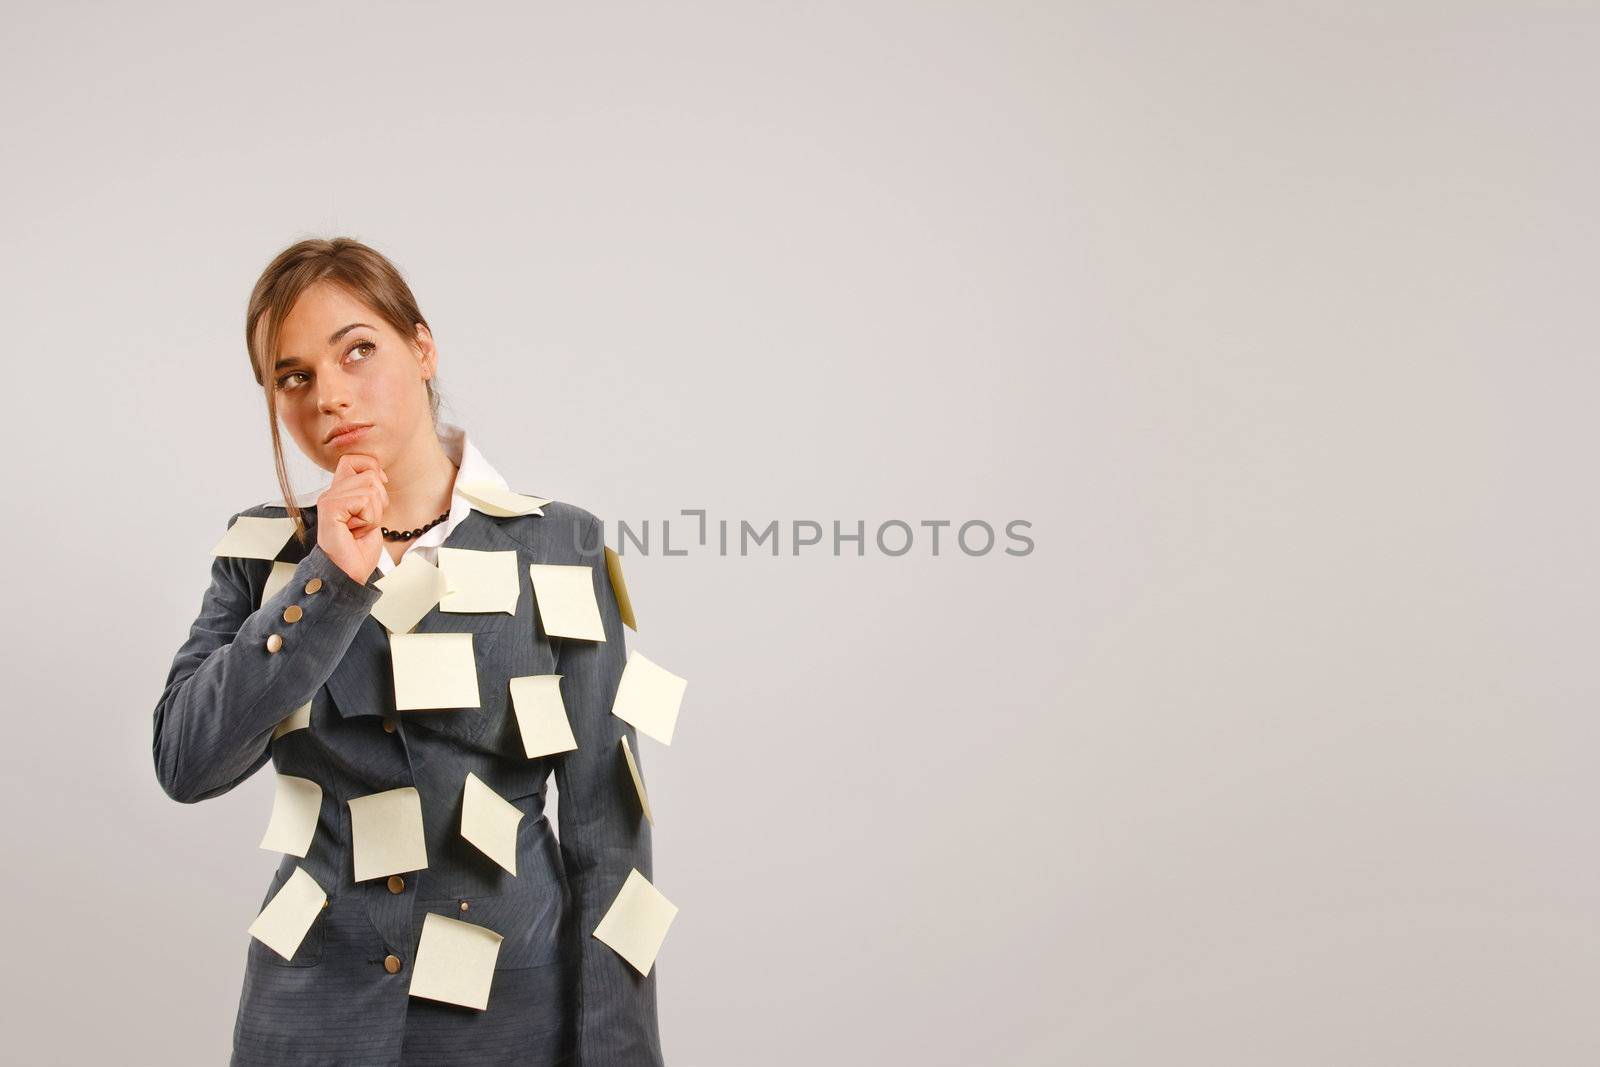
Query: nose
(330, 400)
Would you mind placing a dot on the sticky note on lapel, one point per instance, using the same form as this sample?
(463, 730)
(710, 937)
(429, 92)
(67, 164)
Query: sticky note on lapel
(433, 670)
(477, 580)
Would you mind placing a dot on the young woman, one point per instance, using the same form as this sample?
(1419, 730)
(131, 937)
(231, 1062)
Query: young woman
(303, 674)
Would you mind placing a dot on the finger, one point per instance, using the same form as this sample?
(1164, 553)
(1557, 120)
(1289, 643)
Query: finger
(355, 463)
(371, 508)
(352, 463)
(356, 507)
(370, 482)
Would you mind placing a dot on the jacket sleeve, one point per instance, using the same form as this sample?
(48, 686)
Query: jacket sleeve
(603, 834)
(226, 692)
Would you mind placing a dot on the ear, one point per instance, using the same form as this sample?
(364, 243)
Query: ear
(428, 355)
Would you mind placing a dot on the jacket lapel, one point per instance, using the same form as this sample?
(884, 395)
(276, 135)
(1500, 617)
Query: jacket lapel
(363, 682)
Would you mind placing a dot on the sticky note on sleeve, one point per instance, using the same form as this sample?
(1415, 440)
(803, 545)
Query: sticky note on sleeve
(638, 780)
(648, 696)
(637, 921)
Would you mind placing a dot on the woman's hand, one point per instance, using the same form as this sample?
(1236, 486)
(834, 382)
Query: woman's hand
(350, 515)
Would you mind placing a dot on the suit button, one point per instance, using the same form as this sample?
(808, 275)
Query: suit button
(465, 905)
(391, 964)
(388, 724)
(313, 585)
(397, 884)
(274, 642)
(292, 613)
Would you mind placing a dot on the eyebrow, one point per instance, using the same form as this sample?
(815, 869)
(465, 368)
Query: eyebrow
(333, 339)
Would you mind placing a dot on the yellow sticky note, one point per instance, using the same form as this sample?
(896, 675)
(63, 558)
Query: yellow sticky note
(433, 671)
(620, 588)
(565, 594)
(455, 961)
(283, 923)
(409, 592)
(541, 715)
(638, 780)
(648, 696)
(490, 821)
(476, 580)
(386, 833)
(499, 501)
(298, 719)
(255, 538)
(295, 807)
(636, 923)
(277, 578)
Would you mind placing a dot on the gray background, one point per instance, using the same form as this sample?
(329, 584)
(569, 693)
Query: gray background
(1277, 749)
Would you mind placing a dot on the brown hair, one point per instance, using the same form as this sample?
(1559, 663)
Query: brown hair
(366, 274)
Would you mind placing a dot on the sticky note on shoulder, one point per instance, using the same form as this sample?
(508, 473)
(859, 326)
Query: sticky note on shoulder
(255, 538)
(499, 501)
(565, 596)
(620, 588)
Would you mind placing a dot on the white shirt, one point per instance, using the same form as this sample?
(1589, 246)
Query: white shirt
(471, 467)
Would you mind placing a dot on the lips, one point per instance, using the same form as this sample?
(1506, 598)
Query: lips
(345, 431)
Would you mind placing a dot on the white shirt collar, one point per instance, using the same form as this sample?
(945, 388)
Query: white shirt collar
(471, 467)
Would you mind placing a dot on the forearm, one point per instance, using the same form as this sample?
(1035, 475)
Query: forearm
(227, 690)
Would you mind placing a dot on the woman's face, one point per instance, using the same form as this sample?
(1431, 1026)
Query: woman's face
(340, 363)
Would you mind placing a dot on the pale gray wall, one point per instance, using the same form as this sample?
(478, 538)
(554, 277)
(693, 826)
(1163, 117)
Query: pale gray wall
(1274, 320)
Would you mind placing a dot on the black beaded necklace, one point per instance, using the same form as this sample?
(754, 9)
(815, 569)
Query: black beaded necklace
(406, 535)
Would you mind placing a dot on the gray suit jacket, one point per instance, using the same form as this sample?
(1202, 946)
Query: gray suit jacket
(557, 990)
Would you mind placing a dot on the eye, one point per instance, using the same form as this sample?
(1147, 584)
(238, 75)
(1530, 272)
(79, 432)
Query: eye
(283, 383)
